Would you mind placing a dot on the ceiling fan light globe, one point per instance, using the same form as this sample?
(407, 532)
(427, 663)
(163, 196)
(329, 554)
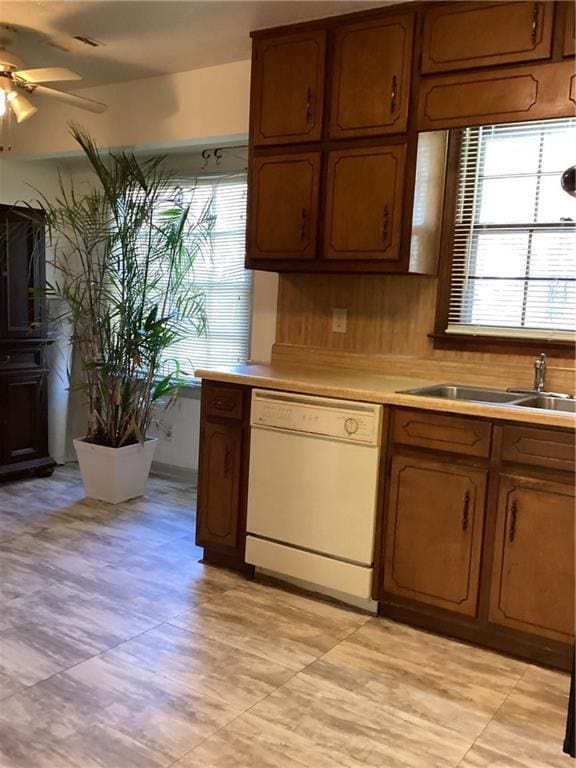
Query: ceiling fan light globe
(3, 106)
(22, 108)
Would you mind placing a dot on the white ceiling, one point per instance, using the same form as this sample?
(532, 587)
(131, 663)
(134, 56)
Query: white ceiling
(143, 38)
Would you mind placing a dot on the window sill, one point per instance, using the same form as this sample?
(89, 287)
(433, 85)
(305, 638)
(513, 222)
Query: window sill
(500, 344)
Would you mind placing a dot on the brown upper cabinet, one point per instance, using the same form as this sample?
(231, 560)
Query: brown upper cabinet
(371, 77)
(284, 206)
(288, 88)
(468, 35)
(513, 94)
(364, 203)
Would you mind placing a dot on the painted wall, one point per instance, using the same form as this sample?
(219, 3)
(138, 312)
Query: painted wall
(201, 106)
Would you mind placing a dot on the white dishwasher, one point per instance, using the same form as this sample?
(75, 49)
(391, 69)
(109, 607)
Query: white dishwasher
(312, 490)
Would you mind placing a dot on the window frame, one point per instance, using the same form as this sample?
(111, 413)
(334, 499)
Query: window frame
(473, 342)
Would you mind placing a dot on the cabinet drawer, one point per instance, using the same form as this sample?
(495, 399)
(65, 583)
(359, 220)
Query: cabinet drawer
(224, 402)
(441, 433)
(467, 35)
(497, 96)
(548, 448)
(13, 359)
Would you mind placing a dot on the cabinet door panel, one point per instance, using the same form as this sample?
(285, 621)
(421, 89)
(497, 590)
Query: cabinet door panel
(570, 30)
(468, 35)
(219, 485)
(533, 575)
(512, 95)
(434, 533)
(283, 215)
(24, 435)
(288, 88)
(21, 267)
(372, 77)
(364, 203)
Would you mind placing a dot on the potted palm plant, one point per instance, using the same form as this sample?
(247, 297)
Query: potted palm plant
(122, 269)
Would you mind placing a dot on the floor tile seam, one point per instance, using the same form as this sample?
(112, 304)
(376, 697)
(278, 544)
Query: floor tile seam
(256, 703)
(79, 663)
(494, 716)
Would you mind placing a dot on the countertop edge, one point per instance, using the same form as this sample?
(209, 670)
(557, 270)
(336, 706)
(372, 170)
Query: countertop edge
(350, 392)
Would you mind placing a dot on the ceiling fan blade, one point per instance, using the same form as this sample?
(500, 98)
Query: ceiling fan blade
(70, 98)
(46, 75)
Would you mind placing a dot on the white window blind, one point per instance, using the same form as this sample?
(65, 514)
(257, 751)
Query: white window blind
(514, 265)
(220, 274)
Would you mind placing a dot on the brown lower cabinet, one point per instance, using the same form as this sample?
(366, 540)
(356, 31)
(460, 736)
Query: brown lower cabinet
(481, 546)
(23, 423)
(434, 533)
(533, 573)
(223, 474)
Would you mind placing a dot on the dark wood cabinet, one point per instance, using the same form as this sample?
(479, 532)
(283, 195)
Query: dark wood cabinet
(223, 471)
(21, 272)
(288, 88)
(283, 218)
(371, 77)
(469, 35)
(220, 486)
(23, 374)
(22, 437)
(533, 574)
(364, 203)
(513, 94)
(434, 533)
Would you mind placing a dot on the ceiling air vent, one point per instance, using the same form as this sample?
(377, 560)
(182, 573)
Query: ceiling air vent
(88, 41)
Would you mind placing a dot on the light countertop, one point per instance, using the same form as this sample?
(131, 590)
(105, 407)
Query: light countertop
(374, 388)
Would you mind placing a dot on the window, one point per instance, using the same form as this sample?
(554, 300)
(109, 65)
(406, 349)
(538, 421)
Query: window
(513, 265)
(220, 275)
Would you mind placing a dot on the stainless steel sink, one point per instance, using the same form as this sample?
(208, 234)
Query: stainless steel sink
(496, 397)
(469, 394)
(550, 403)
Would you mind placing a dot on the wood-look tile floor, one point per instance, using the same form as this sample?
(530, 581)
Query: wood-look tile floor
(119, 650)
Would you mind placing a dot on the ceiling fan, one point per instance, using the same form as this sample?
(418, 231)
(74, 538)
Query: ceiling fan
(15, 82)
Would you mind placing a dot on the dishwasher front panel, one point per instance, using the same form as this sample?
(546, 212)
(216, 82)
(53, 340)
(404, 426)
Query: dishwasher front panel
(314, 493)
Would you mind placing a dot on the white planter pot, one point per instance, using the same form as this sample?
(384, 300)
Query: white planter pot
(115, 474)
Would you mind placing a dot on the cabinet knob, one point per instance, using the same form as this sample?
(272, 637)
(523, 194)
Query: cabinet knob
(393, 94)
(466, 511)
(5, 359)
(513, 515)
(535, 16)
(309, 105)
(385, 220)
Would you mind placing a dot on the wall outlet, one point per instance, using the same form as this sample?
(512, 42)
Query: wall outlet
(339, 320)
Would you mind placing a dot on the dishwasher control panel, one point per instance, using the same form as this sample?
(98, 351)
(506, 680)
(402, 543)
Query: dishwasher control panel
(323, 416)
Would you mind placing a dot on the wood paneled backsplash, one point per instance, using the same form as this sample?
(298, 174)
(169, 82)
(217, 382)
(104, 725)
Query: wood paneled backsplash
(388, 315)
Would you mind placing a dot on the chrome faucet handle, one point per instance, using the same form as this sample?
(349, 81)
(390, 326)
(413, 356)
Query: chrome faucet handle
(540, 372)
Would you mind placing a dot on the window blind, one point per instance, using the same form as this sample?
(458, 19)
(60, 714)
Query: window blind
(513, 262)
(220, 274)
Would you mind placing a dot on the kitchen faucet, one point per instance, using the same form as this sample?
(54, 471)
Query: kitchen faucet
(540, 373)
